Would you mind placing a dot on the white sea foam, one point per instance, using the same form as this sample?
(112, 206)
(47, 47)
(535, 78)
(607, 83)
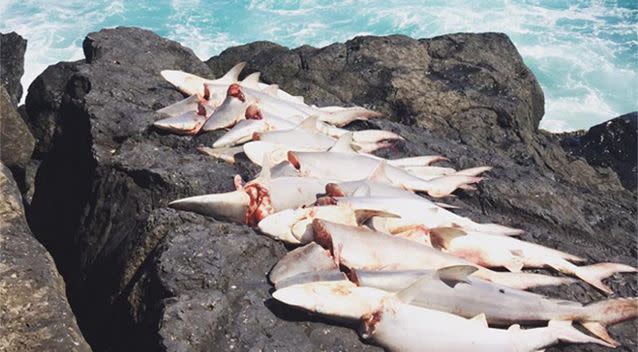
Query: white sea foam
(584, 53)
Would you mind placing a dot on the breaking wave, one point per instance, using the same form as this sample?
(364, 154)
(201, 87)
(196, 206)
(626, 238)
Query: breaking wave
(584, 53)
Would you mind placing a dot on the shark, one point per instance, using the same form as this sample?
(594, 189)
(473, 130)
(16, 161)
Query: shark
(362, 248)
(453, 290)
(341, 166)
(416, 213)
(187, 123)
(393, 322)
(253, 201)
(515, 254)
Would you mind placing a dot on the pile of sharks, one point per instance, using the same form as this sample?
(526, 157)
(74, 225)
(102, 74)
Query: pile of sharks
(375, 246)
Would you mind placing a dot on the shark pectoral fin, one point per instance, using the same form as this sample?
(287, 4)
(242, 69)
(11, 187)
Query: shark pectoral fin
(343, 144)
(226, 154)
(252, 80)
(481, 320)
(271, 90)
(600, 330)
(455, 274)
(514, 265)
(302, 230)
(379, 173)
(233, 74)
(363, 215)
(309, 124)
(408, 294)
(441, 237)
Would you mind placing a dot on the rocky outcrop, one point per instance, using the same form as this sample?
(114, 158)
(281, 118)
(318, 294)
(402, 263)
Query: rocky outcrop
(144, 277)
(12, 49)
(612, 144)
(35, 314)
(16, 141)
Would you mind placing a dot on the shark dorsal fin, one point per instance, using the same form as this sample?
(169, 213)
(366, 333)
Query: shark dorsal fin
(266, 166)
(514, 327)
(441, 237)
(480, 319)
(455, 274)
(233, 74)
(343, 144)
(271, 90)
(309, 124)
(408, 294)
(299, 99)
(239, 182)
(252, 80)
(379, 173)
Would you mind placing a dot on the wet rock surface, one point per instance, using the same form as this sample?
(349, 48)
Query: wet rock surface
(612, 144)
(35, 314)
(12, 49)
(142, 276)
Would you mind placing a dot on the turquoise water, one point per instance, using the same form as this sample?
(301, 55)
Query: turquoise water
(584, 53)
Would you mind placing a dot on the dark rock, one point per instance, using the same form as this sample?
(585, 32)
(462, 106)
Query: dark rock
(16, 141)
(35, 313)
(143, 277)
(43, 103)
(612, 144)
(12, 49)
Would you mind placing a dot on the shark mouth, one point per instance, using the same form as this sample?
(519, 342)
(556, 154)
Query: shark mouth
(260, 204)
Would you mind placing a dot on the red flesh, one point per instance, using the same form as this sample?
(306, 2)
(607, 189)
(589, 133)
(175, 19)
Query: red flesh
(260, 205)
(234, 90)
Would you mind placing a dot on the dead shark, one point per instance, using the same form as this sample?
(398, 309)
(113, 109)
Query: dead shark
(191, 84)
(362, 248)
(295, 225)
(453, 290)
(398, 326)
(188, 123)
(347, 166)
(391, 321)
(515, 254)
(416, 213)
(253, 201)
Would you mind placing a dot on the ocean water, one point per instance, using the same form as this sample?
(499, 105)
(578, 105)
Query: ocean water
(584, 53)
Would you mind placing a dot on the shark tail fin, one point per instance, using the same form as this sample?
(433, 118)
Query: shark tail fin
(608, 312)
(445, 185)
(343, 117)
(474, 171)
(566, 332)
(593, 274)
